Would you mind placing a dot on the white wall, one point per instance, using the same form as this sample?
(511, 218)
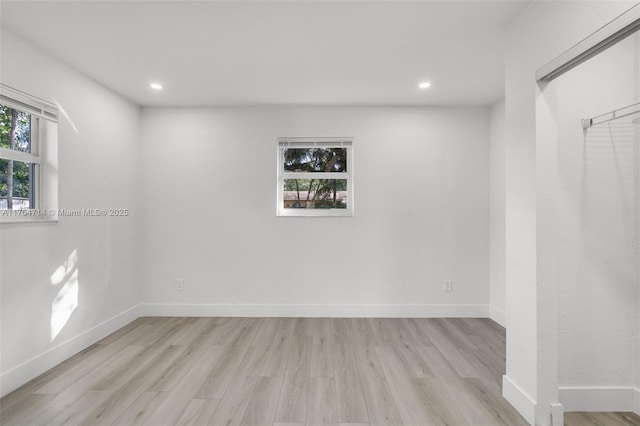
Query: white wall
(541, 32)
(636, 358)
(636, 391)
(596, 197)
(421, 214)
(497, 265)
(97, 169)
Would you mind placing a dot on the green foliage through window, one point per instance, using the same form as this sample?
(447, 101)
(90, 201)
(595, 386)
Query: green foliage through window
(15, 176)
(315, 193)
(315, 160)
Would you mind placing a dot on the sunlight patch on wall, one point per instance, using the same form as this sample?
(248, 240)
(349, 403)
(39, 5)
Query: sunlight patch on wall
(66, 301)
(65, 269)
(64, 113)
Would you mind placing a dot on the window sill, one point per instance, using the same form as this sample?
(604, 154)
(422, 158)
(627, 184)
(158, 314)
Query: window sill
(315, 213)
(26, 216)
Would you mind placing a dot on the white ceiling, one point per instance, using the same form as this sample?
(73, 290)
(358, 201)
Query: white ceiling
(286, 52)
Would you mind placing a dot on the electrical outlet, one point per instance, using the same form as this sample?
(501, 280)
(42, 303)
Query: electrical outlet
(179, 284)
(447, 286)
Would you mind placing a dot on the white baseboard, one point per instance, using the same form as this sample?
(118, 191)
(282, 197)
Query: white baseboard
(636, 400)
(520, 400)
(498, 316)
(32, 368)
(598, 398)
(330, 311)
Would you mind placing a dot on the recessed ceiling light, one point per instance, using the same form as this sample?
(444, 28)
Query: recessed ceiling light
(424, 85)
(155, 86)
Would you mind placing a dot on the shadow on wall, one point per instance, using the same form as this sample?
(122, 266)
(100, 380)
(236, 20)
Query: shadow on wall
(609, 157)
(66, 301)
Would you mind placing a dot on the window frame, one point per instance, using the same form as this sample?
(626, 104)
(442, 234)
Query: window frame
(43, 155)
(314, 142)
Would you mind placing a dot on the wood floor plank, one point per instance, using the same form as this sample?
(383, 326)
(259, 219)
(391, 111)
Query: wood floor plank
(367, 361)
(74, 413)
(399, 333)
(119, 377)
(218, 380)
(147, 372)
(486, 367)
(230, 333)
(198, 412)
(163, 332)
(176, 371)
(281, 371)
(381, 406)
(194, 331)
(80, 388)
(263, 402)
(455, 388)
(99, 355)
(601, 419)
(141, 409)
(278, 353)
(178, 399)
(322, 406)
(414, 363)
(132, 337)
(236, 398)
(379, 331)
(21, 414)
(122, 331)
(351, 405)
(292, 405)
(404, 343)
(266, 333)
(444, 410)
(439, 364)
(449, 349)
(360, 332)
(416, 328)
(321, 359)
(488, 394)
(412, 410)
(349, 395)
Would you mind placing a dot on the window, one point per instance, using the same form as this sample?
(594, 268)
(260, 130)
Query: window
(315, 177)
(28, 157)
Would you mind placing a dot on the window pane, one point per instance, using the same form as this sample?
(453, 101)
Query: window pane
(315, 159)
(15, 129)
(315, 194)
(16, 180)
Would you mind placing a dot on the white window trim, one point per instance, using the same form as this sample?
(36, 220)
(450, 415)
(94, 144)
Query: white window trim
(44, 153)
(317, 142)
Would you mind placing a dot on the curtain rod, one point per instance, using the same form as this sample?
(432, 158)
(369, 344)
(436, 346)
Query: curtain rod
(610, 116)
(613, 32)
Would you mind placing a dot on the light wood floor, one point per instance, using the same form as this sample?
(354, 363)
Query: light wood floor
(601, 419)
(277, 371)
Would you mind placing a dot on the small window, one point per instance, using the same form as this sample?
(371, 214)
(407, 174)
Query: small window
(315, 177)
(28, 141)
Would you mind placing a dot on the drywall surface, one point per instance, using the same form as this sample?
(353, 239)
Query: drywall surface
(540, 33)
(636, 246)
(497, 212)
(596, 197)
(636, 235)
(421, 213)
(98, 135)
